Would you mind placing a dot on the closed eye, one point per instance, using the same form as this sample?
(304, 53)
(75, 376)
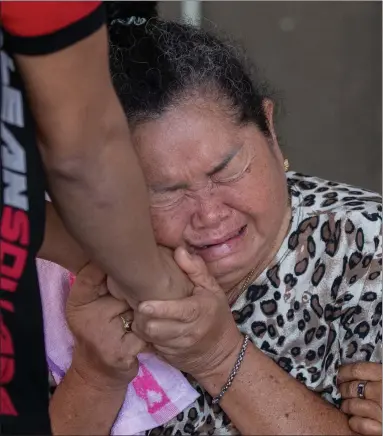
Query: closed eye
(231, 172)
(167, 198)
(222, 178)
(233, 168)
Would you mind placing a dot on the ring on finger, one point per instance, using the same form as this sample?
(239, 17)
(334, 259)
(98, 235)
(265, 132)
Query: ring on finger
(361, 389)
(126, 324)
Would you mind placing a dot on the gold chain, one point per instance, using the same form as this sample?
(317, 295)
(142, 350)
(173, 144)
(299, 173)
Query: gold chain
(248, 277)
(246, 281)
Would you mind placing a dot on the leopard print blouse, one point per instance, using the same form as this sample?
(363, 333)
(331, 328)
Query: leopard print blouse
(319, 305)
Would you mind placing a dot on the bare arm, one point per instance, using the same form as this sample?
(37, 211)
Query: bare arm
(58, 245)
(82, 409)
(95, 181)
(264, 399)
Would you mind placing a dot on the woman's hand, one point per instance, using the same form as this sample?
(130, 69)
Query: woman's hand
(365, 414)
(105, 355)
(197, 334)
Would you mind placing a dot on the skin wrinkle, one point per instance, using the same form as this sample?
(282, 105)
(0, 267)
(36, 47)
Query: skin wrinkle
(210, 210)
(182, 185)
(180, 140)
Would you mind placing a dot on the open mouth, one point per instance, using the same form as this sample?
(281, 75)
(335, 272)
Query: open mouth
(240, 232)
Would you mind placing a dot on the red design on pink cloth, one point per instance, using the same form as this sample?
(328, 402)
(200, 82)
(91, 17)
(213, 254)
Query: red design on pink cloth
(157, 395)
(149, 390)
(145, 385)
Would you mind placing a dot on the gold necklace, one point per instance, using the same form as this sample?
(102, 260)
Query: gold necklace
(246, 282)
(248, 277)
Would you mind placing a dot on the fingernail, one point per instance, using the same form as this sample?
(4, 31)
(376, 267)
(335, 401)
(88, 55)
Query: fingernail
(147, 309)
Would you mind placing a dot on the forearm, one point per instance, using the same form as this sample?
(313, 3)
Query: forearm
(78, 408)
(265, 400)
(102, 199)
(58, 245)
(95, 181)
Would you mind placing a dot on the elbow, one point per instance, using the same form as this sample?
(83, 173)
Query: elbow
(67, 167)
(88, 150)
(70, 158)
(80, 135)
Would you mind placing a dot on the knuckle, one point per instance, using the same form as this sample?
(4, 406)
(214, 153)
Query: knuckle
(376, 391)
(136, 346)
(150, 329)
(346, 407)
(358, 406)
(357, 371)
(346, 389)
(162, 310)
(190, 312)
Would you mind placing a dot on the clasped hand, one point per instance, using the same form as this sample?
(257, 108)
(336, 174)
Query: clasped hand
(365, 413)
(104, 355)
(195, 334)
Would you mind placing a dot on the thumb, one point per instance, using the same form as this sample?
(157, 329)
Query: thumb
(90, 284)
(196, 270)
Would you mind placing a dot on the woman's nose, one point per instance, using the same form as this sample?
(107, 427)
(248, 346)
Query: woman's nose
(209, 212)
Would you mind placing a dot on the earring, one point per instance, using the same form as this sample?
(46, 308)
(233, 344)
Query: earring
(286, 165)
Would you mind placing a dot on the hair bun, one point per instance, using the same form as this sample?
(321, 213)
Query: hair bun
(130, 12)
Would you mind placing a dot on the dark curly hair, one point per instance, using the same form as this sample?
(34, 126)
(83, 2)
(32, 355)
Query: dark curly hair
(125, 9)
(155, 64)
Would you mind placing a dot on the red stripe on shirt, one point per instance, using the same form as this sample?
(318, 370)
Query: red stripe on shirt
(37, 18)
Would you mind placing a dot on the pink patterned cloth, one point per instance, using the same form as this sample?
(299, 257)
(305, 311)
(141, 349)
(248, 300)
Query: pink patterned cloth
(157, 394)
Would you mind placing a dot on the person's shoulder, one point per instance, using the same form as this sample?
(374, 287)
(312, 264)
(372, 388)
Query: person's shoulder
(357, 211)
(40, 28)
(319, 196)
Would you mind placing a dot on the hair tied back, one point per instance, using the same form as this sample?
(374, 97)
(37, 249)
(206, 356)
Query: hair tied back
(130, 21)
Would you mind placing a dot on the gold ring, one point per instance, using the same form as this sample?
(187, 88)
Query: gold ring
(126, 324)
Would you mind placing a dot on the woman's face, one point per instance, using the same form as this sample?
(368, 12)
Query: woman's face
(216, 187)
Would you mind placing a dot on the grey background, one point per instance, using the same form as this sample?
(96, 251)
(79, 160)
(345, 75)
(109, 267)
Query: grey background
(325, 58)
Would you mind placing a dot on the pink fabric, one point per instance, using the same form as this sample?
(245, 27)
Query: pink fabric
(157, 394)
(144, 384)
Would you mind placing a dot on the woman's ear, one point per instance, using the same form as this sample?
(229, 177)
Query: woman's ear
(268, 109)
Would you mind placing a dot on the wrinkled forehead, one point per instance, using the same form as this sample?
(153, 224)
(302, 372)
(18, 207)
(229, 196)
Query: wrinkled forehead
(190, 136)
